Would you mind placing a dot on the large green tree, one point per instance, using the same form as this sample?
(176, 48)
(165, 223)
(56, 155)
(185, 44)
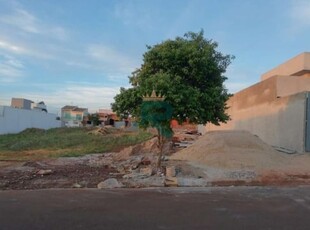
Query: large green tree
(189, 72)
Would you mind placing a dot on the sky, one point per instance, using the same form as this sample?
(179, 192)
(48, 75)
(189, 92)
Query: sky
(80, 52)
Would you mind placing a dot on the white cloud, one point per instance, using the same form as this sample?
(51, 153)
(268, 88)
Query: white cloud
(22, 20)
(78, 64)
(29, 50)
(130, 13)
(111, 59)
(87, 96)
(11, 69)
(11, 47)
(124, 13)
(23, 33)
(300, 13)
(59, 33)
(19, 20)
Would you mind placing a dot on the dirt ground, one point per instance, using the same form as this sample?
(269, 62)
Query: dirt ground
(218, 159)
(31, 175)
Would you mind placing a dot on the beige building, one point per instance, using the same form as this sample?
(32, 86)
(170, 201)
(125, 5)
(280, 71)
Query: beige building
(277, 108)
(73, 116)
(21, 103)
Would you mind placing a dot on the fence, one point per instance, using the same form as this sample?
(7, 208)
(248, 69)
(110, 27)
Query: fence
(13, 120)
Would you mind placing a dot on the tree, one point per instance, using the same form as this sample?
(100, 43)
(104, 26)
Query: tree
(189, 71)
(94, 118)
(157, 113)
(127, 102)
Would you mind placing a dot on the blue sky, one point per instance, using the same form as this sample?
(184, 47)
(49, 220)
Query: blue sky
(80, 52)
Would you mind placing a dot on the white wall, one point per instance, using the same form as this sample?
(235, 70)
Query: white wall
(13, 120)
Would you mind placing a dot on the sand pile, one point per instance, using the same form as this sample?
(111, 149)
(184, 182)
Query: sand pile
(235, 150)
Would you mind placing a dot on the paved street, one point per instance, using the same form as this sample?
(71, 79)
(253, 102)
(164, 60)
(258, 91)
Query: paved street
(179, 208)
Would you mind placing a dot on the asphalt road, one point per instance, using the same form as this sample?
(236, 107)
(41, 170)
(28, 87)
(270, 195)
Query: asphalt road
(179, 208)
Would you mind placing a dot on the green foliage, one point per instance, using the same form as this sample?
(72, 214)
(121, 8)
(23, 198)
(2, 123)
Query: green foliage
(126, 102)
(189, 71)
(157, 114)
(64, 142)
(94, 118)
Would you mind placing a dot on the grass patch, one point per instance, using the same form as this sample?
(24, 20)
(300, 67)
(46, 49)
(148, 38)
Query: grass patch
(59, 142)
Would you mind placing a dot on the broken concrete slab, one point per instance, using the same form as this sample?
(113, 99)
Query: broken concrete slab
(148, 171)
(137, 175)
(149, 146)
(76, 185)
(171, 182)
(110, 183)
(43, 172)
(284, 150)
(170, 171)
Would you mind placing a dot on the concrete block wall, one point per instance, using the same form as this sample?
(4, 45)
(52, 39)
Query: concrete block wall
(274, 108)
(279, 122)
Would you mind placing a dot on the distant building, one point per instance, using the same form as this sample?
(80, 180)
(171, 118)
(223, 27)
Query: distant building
(73, 116)
(23, 114)
(39, 106)
(14, 119)
(21, 103)
(107, 116)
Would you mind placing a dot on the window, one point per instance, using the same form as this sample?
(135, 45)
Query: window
(79, 117)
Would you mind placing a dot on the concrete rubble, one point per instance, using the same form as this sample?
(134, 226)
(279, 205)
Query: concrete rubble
(43, 172)
(110, 183)
(77, 185)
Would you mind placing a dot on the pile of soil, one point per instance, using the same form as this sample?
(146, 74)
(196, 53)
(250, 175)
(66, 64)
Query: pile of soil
(240, 150)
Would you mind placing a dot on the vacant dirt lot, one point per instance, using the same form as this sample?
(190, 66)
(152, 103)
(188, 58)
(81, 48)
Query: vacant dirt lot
(215, 159)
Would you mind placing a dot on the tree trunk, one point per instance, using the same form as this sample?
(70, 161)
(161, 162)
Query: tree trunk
(160, 146)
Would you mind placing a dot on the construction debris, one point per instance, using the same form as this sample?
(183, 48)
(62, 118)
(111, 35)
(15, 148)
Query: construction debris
(104, 130)
(284, 150)
(110, 183)
(170, 171)
(171, 182)
(76, 185)
(217, 158)
(43, 172)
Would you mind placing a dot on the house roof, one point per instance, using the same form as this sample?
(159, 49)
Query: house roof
(79, 109)
(106, 111)
(69, 107)
(74, 108)
(21, 99)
